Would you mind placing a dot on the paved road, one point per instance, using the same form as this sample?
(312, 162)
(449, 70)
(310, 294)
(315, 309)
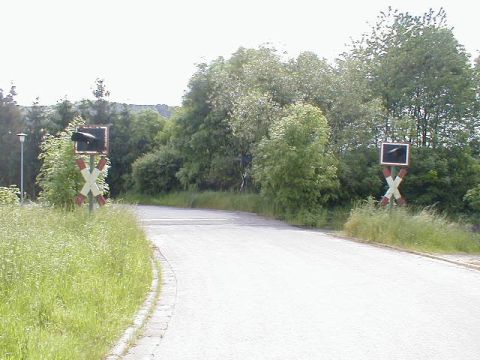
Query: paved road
(254, 289)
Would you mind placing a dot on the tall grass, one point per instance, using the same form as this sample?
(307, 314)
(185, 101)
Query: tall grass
(422, 230)
(249, 202)
(69, 282)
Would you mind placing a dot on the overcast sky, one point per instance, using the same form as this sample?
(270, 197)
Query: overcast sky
(146, 50)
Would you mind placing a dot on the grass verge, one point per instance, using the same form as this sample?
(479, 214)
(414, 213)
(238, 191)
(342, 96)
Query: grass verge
(420, 230)
(69, 283)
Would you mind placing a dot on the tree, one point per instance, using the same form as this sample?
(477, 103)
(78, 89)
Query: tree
(294, 167)
(441, 178)
(64, 113)
(119, 153)
(313, 80)
(202, 133)
(354, 114)
(36, 121)
(155, 172)
(131, 136)
(227, 111)
(423, 76)
(100, 111)
(360, 175)
(10, 124)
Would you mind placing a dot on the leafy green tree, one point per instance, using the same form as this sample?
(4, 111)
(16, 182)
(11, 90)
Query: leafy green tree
(201, 132)
(293, 166)
(313, 81)
(228, 109)
(131, 136)
(36, 121)
(144, 128)
(101, 110)
(355, 115)
(441, 178)
(11, 123)
(119, 152)
(64, 113)
(423, 76)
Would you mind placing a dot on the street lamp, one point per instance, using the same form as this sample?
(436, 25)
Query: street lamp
(21, 136)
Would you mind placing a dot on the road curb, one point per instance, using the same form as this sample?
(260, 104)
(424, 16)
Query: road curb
(386, 246)
(141, 317)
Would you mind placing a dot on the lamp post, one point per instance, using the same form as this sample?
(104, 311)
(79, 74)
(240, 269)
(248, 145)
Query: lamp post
(21, 136)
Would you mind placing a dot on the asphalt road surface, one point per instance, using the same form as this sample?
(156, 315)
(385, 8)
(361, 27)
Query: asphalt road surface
(249, 288)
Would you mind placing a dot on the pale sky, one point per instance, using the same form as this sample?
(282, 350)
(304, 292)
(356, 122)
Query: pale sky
(146, 50)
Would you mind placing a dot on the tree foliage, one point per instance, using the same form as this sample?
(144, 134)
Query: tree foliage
(155, 172)
(423, 77)
(10, 125)
(294, 166)
(9, 195)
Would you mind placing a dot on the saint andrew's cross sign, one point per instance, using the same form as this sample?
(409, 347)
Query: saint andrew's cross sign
(91, 182)
(91, 140)
(393, 187)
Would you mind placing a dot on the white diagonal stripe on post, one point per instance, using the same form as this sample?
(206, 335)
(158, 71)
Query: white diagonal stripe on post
(90, 182)
(393, 185)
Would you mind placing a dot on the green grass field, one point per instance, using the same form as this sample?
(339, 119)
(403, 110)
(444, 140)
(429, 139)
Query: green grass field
(69, 283)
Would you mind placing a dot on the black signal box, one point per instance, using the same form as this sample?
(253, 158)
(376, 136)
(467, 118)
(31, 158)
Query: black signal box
(395, 154)
(92, 140)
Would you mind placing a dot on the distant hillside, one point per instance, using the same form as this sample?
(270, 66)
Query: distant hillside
(162, 109)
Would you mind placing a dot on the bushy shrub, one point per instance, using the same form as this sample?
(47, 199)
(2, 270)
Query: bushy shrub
(8, 195)
(440, 177)
(360, 175)
(472, 198)
(293, 166)
(156, 172)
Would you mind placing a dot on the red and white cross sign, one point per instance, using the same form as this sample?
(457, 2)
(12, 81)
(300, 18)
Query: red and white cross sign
(90, 182)
(393, 187)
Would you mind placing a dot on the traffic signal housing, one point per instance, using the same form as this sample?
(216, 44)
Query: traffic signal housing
(395, 154)
(92, 140)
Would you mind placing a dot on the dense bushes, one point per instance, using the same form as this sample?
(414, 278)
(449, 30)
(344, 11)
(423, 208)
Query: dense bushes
(8, 195)
(360, 175)
(156, 172)
(441, 177)
(293, 166)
